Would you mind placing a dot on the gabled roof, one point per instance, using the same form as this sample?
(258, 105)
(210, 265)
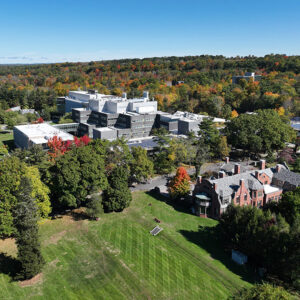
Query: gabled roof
(226, 186)
(288, 176)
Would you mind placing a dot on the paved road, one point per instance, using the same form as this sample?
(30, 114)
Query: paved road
(157, 181)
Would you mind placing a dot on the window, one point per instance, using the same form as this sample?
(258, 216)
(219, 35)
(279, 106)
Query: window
(245, 197)
(259, 194)
(237, 199)
(266, 182)
(254, 194)
(259, 204)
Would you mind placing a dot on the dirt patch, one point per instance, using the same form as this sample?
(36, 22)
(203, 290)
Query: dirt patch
(54, 239)
(34, 280)
(89, 276)
(8, 246)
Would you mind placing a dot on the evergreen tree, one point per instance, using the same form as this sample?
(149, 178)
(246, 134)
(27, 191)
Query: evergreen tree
(202, 155)
(27, 239)
(117, 196)
(210, 135)
(94, 207)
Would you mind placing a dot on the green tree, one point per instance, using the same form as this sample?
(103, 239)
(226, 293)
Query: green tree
(210, 136)
(263, 131)
(75, 175)
(117, 196)
(27, 239)
(40, 191)
(263, 291)
(266, 238)
(297, 165)
(94, 207)
(223, 148)
(202, 155)
(289, 206)
(164, 158)
(11, 172)
(141, 167)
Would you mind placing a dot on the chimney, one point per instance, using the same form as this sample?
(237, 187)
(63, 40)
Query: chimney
(221, 174)
(237, 169)
(215, 186)
(277, 168)
(199, 179)
(227, 160)
(242, 183)
(262, 164)
(257, 174)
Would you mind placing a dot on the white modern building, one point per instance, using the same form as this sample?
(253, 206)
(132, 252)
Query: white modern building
(26, 136)
(247, 76)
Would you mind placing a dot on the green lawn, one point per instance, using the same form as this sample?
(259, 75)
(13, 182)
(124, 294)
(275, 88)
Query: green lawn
(117, 258)
(7, 138)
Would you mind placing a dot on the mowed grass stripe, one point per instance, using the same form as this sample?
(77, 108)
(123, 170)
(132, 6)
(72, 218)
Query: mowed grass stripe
(117, 258)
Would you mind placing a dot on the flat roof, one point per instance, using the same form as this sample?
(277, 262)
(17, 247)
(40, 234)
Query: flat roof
(268, 189)
(41, 133)
(103, 129)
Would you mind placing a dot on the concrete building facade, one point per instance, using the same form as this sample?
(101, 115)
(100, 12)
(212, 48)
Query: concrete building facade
(26, 136)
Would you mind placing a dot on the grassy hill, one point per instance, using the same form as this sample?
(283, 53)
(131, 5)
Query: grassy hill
(117, 258)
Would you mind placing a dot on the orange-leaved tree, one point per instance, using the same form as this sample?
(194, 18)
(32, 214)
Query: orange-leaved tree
(180, 184)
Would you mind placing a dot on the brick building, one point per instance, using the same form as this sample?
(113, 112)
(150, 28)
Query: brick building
(255, 187)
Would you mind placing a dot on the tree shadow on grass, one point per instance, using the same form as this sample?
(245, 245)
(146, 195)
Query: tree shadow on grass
(9, 265)
(79, 215)
(179, 205)
(208, 238)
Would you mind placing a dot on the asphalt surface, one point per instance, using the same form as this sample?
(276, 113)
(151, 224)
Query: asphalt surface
(156, 181)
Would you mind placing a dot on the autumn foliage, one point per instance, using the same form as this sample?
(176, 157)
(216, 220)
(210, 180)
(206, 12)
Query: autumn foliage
(58, 147)
(38, 121)
(180, 184)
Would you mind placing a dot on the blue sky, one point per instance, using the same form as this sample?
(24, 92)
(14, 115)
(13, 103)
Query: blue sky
(55, 31)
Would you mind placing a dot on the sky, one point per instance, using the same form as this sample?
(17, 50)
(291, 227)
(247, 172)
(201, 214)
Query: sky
(48, 31)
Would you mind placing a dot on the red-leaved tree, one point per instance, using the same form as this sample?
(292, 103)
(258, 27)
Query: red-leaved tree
(180, 184)
(58, 147)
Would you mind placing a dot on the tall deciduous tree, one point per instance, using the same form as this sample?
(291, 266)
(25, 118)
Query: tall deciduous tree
(27, 239)
(141, 167)
(263, 131)
(117, 196)
(75, 175)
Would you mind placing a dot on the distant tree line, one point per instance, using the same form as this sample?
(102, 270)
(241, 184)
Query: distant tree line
(205, 83)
